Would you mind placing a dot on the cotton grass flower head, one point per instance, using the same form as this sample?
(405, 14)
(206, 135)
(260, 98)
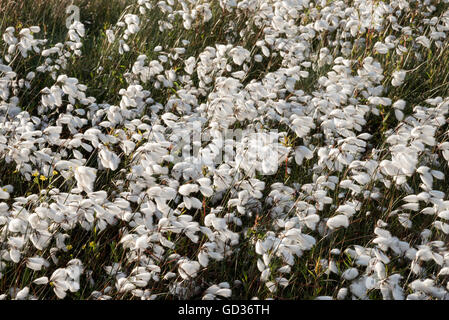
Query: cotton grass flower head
(194, 156)
(85, 177)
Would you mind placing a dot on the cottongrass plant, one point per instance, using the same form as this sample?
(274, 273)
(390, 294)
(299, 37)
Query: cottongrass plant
(335, 187)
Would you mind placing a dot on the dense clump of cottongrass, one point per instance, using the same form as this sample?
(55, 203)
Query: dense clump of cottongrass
(338, 174)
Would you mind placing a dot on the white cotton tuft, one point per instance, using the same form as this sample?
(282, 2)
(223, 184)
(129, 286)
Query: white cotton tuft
(187, 189)
(108, 158)
(85, 177)
(338, 221)
(41, 281)
(189, 269)
(350, 274)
